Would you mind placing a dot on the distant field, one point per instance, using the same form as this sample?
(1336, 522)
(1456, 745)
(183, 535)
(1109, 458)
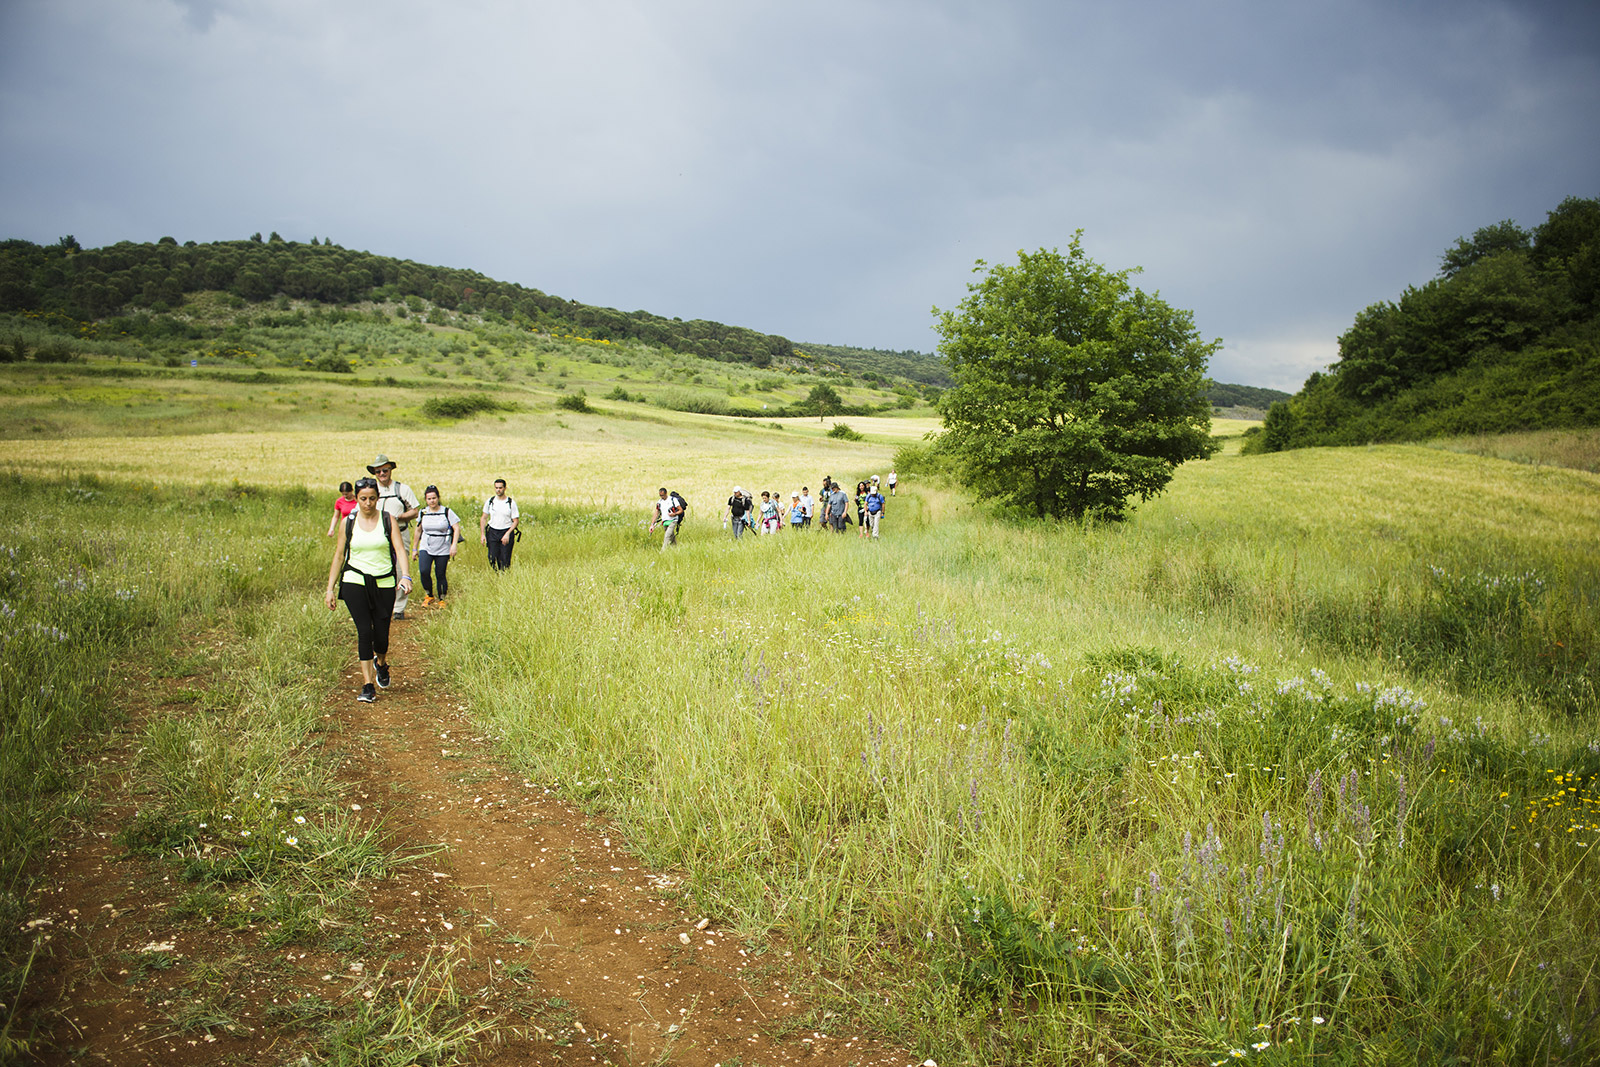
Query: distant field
(591, 461)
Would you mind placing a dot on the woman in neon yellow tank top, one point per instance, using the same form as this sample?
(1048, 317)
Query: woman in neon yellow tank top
(369, 565)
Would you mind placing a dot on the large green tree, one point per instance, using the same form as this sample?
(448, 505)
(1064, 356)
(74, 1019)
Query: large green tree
(1075, 391)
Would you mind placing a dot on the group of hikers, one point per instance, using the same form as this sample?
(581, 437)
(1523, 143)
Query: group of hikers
(829, 510)
(374, 549)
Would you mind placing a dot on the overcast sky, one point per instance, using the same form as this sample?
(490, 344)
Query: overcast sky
(827, 171)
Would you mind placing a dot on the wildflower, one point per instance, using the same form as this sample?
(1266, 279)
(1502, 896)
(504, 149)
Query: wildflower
(292, 842)
(1317, 1020)
(1261, 1045)
(301, 819)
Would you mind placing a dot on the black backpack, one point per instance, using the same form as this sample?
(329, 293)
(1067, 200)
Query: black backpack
(516, 535)
(683, 505)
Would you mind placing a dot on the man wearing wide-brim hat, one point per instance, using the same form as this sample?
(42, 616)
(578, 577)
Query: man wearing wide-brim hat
(397, 499)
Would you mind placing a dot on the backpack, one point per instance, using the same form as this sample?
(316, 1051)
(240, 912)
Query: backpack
(516, 535)
(350, 528)
(683, 505)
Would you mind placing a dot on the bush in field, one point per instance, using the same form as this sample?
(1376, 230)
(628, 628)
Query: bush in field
(463, 406)
(683, 400)
(843, 432)
(332, 364)
(578, 402)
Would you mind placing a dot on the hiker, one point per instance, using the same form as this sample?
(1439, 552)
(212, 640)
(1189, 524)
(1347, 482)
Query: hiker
(874, 511)
(499, 526)
(771, 521)
(670, 509)
(738, 505)
(808, 508)
(797, 513)
(838, 508)
(861, 509)
(369, 572)
(398, 500)
(343, 505)
(892, 477)
(438, 535)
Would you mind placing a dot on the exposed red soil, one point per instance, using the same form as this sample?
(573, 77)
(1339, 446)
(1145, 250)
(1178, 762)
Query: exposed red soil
(562, 940)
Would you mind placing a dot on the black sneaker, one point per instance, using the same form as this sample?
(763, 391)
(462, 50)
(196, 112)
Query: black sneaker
(383, 676)
(399, 614)
(367, 694)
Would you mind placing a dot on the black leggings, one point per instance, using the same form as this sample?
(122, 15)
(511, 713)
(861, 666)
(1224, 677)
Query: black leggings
(370, 609)
(432, 565)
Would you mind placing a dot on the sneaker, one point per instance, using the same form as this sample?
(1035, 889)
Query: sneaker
(383, 676)
(427, 600)
(399, 614)
(367, 694)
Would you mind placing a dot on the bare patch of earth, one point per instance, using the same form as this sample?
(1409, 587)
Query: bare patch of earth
(534, 923)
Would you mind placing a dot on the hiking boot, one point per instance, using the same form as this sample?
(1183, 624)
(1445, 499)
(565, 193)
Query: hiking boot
(383, 676)
(399, 614)
(367, 694)
(427, 600)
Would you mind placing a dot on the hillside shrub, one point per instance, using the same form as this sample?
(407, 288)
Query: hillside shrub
(463, 405)
(331, 363)
(578, 402)
(843, 432)
(699, 403)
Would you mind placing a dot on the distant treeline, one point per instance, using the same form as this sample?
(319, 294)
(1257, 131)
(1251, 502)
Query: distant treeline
(95, 283)
(1243, 396)
(881, 365)
(1506, 338)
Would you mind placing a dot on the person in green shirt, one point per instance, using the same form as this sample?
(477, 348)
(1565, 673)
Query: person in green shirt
(368, 569)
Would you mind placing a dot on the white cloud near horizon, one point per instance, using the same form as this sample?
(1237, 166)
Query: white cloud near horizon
(829, 172)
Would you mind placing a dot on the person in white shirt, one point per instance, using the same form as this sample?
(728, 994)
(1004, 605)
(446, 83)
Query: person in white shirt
(808, 506)
(497, 526)
(438, 534)
(396, 499)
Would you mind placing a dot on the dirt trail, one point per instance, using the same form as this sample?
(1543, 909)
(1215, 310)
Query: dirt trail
(561, 937)
(609, 935)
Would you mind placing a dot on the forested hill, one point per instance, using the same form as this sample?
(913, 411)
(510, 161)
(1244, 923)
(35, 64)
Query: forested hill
(93, 283)
(150, 282)
(1506, 337)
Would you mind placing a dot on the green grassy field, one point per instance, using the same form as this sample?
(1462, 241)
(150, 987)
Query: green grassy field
(1300, 764)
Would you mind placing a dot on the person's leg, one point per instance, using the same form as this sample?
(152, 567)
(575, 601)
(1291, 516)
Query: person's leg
(383, 598)
(425, 571)
(505, 550)
(441, 563)
(360, 607)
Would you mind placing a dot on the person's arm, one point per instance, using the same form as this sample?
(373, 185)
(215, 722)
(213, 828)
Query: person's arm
(413, 506)
(402, 571)
(333, 567)
(483, 525)
(455, 536)
(334, 522)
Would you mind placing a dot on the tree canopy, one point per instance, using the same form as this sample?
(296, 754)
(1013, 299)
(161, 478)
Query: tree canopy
(1075, 391)
(1506, 338)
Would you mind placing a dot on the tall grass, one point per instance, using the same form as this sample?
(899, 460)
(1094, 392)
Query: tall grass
(92, 573)
(1301, 761)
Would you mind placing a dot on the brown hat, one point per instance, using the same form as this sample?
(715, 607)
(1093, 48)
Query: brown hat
(381, 461)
